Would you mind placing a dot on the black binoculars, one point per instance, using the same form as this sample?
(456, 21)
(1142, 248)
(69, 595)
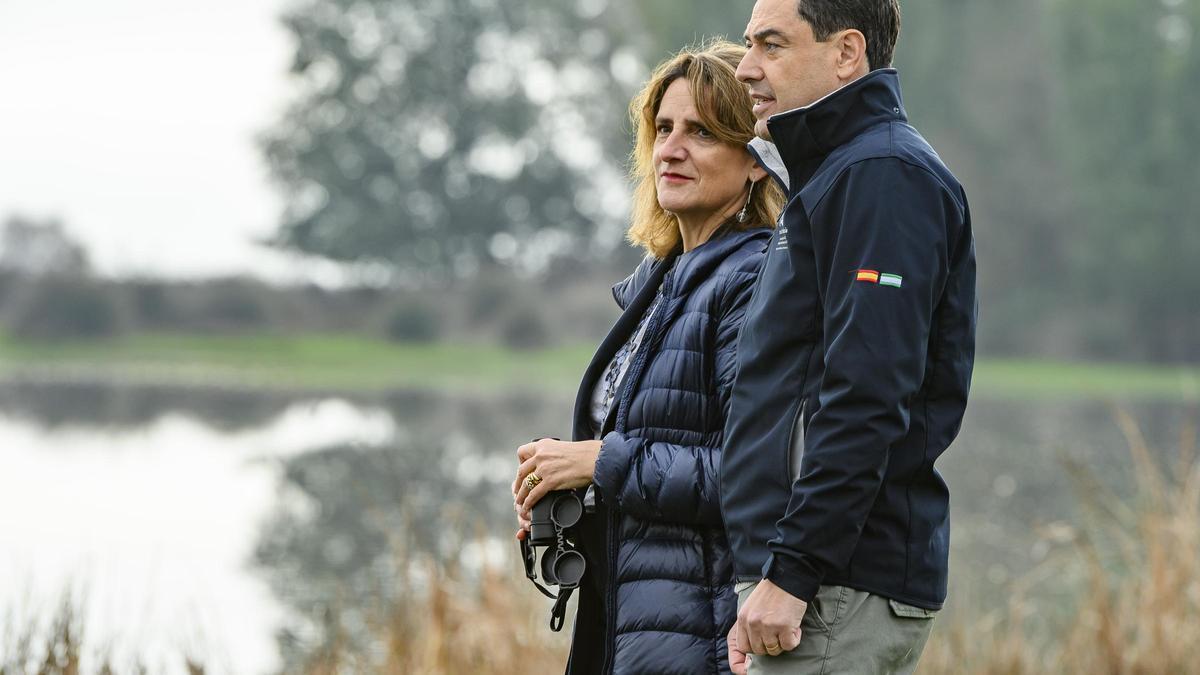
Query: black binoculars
(561, 564)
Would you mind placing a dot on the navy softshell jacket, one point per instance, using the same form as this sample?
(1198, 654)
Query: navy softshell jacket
(855, 357)
(658, 595)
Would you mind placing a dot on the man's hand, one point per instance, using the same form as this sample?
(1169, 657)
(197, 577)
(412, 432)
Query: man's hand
(769, 621)
(739, 662)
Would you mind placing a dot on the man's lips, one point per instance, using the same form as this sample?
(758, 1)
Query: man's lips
(762, 104)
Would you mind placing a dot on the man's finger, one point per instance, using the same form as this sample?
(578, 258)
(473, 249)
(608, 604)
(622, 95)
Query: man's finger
(760, 636)
(743, 636)
(790, 640)
(737, 657)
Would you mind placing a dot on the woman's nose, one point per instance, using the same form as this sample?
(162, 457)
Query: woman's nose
(673, 148)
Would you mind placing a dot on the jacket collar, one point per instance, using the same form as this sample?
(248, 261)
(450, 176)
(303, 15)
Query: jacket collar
(689, 268)
(804, 137)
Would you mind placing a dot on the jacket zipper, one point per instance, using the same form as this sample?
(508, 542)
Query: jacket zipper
(633, 375)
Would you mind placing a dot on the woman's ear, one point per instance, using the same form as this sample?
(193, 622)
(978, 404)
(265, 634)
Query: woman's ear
(757, 173)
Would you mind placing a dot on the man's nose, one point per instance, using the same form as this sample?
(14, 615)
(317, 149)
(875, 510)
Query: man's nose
(748, 70)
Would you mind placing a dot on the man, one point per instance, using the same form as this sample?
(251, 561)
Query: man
(855, 357)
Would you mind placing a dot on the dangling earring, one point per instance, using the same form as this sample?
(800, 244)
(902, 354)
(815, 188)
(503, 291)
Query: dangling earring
(744, 214)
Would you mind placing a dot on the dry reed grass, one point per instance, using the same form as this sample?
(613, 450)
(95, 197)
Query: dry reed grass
(1132, 573)
(447, 625)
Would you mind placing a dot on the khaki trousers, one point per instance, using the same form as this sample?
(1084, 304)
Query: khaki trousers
(850, 632)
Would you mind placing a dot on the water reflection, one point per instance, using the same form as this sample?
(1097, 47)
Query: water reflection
(278, 518)
(354, 517)
(94, 405)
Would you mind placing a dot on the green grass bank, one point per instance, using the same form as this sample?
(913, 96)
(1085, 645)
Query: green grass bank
(343, 362)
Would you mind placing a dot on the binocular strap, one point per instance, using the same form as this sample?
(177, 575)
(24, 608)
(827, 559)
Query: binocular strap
(558, 612)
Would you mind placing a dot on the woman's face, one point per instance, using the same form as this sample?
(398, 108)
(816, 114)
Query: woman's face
(697, 174)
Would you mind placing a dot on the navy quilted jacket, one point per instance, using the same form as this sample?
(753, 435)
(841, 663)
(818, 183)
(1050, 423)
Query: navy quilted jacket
(659, 597)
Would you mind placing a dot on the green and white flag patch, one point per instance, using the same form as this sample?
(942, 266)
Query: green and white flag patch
(894, 280)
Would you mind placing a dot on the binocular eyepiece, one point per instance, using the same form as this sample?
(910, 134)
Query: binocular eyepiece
(550, 518)
(561, 565)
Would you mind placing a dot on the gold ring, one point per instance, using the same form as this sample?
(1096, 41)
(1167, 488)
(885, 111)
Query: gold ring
(532, 480)
(774, 649)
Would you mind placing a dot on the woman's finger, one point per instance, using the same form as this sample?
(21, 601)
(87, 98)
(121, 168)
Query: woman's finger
(537, 493)
(526, 451)
(526, 468)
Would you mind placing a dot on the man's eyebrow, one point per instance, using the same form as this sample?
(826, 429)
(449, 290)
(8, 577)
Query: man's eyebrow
(764, 34)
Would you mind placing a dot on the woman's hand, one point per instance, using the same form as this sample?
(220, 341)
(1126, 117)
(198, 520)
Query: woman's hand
(561, 465)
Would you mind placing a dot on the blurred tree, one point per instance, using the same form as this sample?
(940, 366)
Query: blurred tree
(1130, 130)
(674, 24)
(438, 135)
(62, 308)
(977, 85)
(413, 321)
(36, 247)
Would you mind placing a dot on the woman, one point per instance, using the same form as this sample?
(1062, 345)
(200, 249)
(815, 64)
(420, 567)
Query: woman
(658, 595)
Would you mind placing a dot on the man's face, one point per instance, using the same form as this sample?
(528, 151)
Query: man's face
(785, 67)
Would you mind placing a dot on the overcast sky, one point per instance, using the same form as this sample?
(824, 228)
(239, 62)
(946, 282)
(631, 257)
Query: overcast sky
(134, 122)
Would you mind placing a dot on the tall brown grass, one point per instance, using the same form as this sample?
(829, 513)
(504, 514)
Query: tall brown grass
(1131, 578)
(447, 625)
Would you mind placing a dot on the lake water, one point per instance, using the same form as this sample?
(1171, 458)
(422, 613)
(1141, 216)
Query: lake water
(227, 524)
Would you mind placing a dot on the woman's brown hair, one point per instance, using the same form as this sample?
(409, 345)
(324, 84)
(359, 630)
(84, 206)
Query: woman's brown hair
(724, 106)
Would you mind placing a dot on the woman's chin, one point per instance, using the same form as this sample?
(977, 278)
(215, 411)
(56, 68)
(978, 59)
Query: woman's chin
(678, 206)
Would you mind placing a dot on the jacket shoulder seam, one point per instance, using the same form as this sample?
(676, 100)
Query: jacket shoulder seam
(879, 157)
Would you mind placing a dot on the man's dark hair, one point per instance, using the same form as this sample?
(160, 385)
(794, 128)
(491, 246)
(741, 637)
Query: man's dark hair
(877, 20)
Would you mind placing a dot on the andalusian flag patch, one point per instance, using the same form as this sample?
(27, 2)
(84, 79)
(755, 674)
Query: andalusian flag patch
(873, 277)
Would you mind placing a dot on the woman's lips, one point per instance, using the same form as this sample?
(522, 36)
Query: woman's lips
(675, 178)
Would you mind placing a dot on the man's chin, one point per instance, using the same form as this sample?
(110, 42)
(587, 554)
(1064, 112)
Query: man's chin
(761, 130)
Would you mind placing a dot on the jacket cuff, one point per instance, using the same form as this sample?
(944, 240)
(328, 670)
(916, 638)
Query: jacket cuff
(796, 577)
(612, 465)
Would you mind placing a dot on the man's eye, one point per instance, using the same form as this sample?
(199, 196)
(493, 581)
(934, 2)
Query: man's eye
(770, 47)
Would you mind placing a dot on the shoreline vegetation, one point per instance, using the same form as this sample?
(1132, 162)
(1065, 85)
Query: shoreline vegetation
(334, 363)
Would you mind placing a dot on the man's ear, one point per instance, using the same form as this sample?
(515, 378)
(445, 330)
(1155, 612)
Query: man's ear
(851, 62)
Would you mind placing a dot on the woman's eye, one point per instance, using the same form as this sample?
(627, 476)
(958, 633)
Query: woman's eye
(703, 133)
(664, 130)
